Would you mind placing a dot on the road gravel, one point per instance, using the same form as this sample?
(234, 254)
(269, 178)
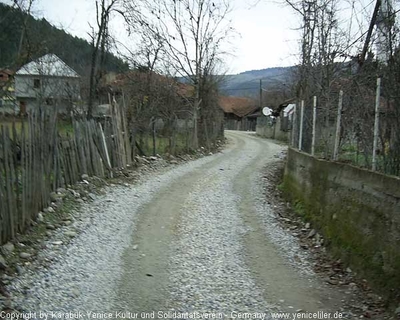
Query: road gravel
(200, 237)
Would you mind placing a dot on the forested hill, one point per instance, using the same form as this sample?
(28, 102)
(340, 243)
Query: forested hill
(42, 38)
(248, 83)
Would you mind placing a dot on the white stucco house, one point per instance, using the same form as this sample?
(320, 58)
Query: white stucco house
(47, 82)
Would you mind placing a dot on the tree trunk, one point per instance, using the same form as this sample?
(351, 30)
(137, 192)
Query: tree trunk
(195, 118)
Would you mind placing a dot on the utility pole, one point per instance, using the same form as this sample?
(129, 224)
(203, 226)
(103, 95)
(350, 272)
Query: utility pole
(261, 94)
(384, 23)
(369, 33)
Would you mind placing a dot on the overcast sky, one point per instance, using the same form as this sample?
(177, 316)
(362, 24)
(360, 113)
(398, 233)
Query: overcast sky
(267, 35)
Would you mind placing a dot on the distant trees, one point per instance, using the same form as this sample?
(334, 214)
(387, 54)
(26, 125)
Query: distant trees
(41, 38)
(22, 48)
(192, 34)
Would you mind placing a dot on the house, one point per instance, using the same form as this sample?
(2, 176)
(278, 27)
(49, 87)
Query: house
(47, 81)
(240, 113)
(7, 97)
(5, 76)
(278, 123)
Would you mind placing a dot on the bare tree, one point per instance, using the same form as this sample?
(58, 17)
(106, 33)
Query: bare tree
(320, 66)
(192, 33)
(330, 62)
(25, 6)
(100, 37)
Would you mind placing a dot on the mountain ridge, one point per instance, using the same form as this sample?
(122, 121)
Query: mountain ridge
(247, 83)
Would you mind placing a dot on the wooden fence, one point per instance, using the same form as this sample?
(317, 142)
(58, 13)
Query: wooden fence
(37, 160)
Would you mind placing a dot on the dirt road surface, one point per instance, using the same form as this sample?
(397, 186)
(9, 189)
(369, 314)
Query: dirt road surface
(201, 244)
(198, 238)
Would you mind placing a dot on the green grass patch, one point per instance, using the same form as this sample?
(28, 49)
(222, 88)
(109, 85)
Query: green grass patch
(177, 145)
(64, 126)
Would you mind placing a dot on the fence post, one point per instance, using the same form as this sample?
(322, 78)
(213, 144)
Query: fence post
(376, 125)
(301, 125)
(314, 122)
(338, 125)
(294, 125)
(103, 140)
(153, 125)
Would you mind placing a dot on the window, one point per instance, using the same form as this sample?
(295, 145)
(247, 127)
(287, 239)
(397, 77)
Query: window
(36, 83)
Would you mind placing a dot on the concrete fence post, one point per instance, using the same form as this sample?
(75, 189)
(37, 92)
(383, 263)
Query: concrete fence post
(301, 125)
(314, 122)
(376, 125)
(294, 125)
(338, 126)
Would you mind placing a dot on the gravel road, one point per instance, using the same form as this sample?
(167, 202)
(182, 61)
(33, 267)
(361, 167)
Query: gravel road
(200, 237)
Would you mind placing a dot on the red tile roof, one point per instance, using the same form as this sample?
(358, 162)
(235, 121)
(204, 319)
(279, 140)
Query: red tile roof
(239, 106)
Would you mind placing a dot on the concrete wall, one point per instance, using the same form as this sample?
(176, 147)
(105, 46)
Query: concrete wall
(358, 212)
(267, 129)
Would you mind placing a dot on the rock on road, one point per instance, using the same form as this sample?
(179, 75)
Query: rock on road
(197, 238)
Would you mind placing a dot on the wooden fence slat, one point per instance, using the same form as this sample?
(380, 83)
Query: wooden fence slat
(3, 204)
(78, 144)
(30, 167)
(38, 160)
(16, 177)
(13, 183)
(23, 177)
(8, 180)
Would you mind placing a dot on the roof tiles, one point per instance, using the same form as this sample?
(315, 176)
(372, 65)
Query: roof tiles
(48, 65)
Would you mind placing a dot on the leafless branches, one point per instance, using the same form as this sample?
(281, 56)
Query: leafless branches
(99, 37)
(188, 34)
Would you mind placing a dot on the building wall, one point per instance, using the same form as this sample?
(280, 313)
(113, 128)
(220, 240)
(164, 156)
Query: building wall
(271, 129)
(241, 124)
(52, 92)
(357, 211)
(48, 87)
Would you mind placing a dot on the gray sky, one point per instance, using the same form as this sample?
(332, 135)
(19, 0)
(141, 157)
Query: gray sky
(266, 36)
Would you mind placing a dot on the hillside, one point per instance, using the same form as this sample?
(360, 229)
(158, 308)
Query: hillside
(248, 83)
(44, 38)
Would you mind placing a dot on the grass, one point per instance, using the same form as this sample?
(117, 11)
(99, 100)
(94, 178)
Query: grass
(163, 144)
(360, 160)
(64, 126)
(348, 154)
(145, 141)
(281, 187)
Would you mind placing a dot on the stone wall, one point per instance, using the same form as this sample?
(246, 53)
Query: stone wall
(358, 212)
